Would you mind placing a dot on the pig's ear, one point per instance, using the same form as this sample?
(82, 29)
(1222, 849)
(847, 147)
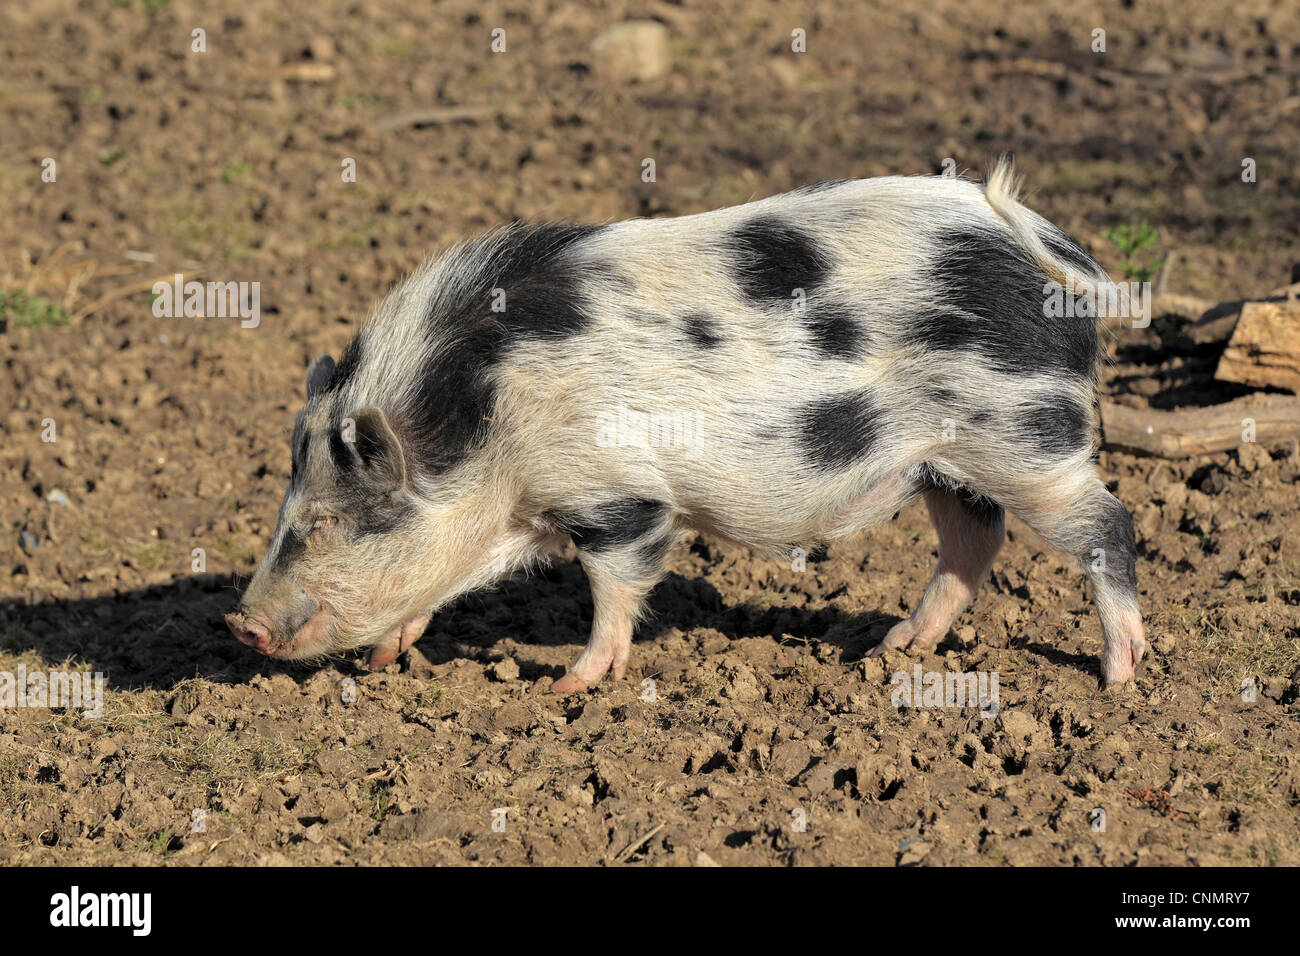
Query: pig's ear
(318, 374)
(379, 449)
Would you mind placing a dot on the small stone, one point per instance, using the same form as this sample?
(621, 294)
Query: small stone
(873, 671)
(579, 797)
(633, 51)
(1017, 724)
(913, 853)
(505, 670)
(1252, 457)
(321, 48)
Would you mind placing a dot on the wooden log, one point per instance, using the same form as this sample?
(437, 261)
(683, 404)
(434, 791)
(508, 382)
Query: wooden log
(1275, 420)
(1211, 321)
(1265, 347)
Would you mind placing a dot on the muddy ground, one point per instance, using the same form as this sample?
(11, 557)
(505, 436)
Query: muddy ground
(172, 435)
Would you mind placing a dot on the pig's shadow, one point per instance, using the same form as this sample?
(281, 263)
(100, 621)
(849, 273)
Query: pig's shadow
(553, 607)
(156, 636)
(148, 638)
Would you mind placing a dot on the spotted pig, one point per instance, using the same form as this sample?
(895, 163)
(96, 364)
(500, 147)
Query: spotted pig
(812, 361)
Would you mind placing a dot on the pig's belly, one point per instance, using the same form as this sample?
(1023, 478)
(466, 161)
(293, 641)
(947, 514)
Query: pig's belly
(770, 508)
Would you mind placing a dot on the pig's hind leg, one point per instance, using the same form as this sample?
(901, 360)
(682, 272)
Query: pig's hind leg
(622, 547)
(971, 530)
(1083, 519)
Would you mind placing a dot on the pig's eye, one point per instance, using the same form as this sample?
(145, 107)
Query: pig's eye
(322, 523)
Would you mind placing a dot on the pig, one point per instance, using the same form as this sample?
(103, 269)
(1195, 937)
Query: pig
(837, 351)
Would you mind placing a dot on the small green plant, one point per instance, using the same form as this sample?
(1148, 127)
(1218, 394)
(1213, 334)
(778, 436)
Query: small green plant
(111, 154)
(1130, 241)
(806, 670)
(158, 842)
(23, 311)
(381, 799)
(151, 556)
(237, 169)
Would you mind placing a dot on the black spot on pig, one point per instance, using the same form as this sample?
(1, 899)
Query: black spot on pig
(345, 370)
(839, 431)
(380, 515)
(454, 403)
(992, 302)
(835, 332)
(1066, 248)
(292, 545)
(341, 452)
(612, 525)
(771, 258)
(1112, 534)
(298, 447)
(543, 295)
(1055, 427)
(543, 300)
(701, 330)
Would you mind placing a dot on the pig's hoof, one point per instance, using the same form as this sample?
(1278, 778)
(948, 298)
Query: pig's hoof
(1115, 674)
(901, 635)
(385, 652)
(395, 642)
(380, 656)
(1115, 682)
(570, 683)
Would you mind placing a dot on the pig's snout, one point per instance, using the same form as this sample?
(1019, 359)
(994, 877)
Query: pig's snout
(299, 629)
(249, 632)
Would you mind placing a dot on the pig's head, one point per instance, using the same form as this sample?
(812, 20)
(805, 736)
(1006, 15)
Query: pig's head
(343, 569)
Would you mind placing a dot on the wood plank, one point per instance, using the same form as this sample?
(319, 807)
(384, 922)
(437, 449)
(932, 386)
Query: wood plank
(1198, 431)
(1265, 347)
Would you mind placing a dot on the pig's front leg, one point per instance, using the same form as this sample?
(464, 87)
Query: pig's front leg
(396, 641)
(623, 547)
(971, 531)
(617, 606)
